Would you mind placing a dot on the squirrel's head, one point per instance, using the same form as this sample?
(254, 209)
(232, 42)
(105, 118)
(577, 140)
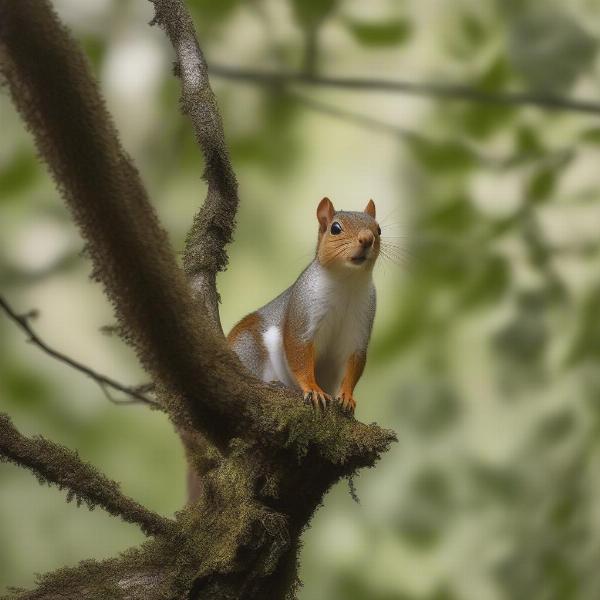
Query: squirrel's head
(347, 239)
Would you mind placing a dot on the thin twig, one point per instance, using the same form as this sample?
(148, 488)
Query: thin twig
(446, 91)
(411, 136)
(102, 380)
(358, 119)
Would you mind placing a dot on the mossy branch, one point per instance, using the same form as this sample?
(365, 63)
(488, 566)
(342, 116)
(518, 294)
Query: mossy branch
(204, 386)
(54, 464)
(276, 418)
(213, 226)
(51, 85)
(240, 540)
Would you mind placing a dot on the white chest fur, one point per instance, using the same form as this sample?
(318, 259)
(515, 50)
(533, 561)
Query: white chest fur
(339, 313)
(340, 323)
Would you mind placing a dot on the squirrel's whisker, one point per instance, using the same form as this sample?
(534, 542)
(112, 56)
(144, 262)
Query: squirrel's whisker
(334, 256)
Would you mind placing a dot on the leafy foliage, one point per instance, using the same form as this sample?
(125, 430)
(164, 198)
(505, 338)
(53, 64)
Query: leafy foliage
(386, 33)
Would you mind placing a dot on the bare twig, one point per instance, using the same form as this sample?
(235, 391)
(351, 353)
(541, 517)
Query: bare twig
(55, 464)
(366, 121)
(411, 136)
(213, 226)
(102, 380)
(446, 91)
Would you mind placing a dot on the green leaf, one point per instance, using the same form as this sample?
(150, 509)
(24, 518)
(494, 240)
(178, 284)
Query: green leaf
(428, 408)
(466, 36)
(495, 77)
(541, 185)
(424, 514)
(528, 141)
(473, 29)
(274, 131)
(310, 13)
(555, 428)
(496, 483)
(18, 174)
(523, 341)
(591, 135)
(405, 330)
(549, 48)
(586, 343)
(384, 33)
(23, 387)
(454, 216)
(208, 13)
(95, 49)
(488, 282)
(442, 156)
(481, 120)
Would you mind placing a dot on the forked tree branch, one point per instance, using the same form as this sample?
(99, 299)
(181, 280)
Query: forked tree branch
(241, 538)
(275, 417)
(213, 226)
(202, 384)
(54, 464)
(440, 91)
(102, 380)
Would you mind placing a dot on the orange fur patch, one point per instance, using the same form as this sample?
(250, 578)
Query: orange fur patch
(354, 369)
(301, 360)
(250, 324)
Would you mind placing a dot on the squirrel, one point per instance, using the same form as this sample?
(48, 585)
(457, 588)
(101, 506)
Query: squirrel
(314, 336)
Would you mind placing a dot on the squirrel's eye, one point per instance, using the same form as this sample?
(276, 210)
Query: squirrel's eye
(336, 228)
(378, 230)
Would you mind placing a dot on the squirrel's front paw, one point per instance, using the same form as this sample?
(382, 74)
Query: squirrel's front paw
(317, 397)
(346, 399)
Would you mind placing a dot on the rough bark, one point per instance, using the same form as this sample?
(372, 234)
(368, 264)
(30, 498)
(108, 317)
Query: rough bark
(267, 459)
(213, 226)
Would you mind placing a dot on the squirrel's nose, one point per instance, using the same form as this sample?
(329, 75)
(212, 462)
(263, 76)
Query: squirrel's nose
(366, 238)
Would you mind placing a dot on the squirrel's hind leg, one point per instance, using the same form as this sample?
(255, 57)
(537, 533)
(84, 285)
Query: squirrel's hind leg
(245, 339)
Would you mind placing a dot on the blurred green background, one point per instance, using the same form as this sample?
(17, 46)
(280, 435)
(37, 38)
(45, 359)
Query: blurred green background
(484, 356)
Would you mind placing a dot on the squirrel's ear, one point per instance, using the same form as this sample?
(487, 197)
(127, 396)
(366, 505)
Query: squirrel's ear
(325, 212)
(370, 208)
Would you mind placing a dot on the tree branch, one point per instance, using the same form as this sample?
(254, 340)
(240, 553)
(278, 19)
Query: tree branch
(276, 417)
(361, 120)
(23, 322)
(432, 90)
(213, 226)
(54, 464)
(202, 384)
(413, 137)
(277, 457)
